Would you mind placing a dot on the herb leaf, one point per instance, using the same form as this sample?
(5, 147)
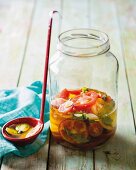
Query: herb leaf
(79, 116)
(79, 138)
(84, 89)
(107, 120)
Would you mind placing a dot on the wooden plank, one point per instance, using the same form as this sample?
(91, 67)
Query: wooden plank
(14, 26)
(127, 15)
(15, 17)
(32, 70)
(75, 14)
(34, 162)
(35, 54)
(62, 158)
(118, 153)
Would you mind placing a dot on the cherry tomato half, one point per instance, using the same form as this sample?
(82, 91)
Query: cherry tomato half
(84, 101)
(76, 92)
(109, 98)
(74, 131)
(63, 94)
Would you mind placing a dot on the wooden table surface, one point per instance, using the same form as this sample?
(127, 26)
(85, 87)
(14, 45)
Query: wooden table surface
(23, 30)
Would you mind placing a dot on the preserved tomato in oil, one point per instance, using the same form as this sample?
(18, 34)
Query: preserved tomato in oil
(82, 118)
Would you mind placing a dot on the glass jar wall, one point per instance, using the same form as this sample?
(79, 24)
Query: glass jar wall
(83, 89)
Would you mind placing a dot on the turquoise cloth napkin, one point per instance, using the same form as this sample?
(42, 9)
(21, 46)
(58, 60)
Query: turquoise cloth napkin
(22, 102)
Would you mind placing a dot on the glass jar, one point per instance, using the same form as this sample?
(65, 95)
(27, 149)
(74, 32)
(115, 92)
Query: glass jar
(83, 88)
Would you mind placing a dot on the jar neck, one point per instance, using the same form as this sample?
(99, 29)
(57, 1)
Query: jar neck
(83, 43)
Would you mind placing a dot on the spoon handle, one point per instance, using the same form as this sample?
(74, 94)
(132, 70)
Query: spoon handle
(46, 67)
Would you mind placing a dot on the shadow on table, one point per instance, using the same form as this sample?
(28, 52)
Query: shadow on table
(118, 153)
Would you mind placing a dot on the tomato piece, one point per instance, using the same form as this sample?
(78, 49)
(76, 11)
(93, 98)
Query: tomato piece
(95, 129)
(57, 102)
(63, 94)
(98, 107)
(76, 92)
(66, 107)
(74, 131)
(84, 101)
(88, 93)
(102, 107)
(109, 98)
(56, 117)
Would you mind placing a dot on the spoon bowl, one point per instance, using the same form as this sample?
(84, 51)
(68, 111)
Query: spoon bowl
(36, 124)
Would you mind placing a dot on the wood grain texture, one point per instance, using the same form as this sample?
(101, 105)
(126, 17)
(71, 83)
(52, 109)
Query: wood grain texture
(15, 23)
(75, 14)
(15, 19)
(35, 54)
(36, 161)
(118, 153)
(127, 17)
(62, 158)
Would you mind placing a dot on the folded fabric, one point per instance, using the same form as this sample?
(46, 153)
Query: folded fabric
(23, 102)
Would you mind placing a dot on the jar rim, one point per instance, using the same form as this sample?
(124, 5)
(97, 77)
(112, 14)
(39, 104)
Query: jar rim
(103, 34)
(83, 42)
